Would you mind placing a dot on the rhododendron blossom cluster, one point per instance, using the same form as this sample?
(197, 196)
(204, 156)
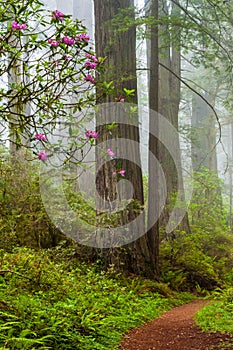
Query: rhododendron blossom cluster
(91, 65)
(119, 99)
(58, 15)
(40, 137)
(83, 37)
(90, 78)
(71, 41)
(18, 26)
(91, 134)
(68, 41)
(110, 152)
(54, 43)
(68, 58)
(66, 63)
(92, 57)
(43, 156)
(119, 172)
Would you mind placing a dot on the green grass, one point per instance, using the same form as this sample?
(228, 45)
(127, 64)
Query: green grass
(72, 306)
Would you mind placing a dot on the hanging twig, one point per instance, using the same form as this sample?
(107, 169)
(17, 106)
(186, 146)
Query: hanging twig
(219, 141)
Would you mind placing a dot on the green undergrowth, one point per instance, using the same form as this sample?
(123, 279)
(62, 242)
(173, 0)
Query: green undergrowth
(46, 304)
(217, 316)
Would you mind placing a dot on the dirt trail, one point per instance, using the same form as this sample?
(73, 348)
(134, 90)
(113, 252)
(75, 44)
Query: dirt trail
(175, 330)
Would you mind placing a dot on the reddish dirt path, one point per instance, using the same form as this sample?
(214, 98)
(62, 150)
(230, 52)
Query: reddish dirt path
(175, 330)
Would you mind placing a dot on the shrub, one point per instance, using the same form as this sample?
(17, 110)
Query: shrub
(203, 258)
(23, 218)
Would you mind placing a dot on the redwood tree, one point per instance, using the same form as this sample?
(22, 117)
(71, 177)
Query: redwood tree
(168, 86)
(153, 189)
(118, 43)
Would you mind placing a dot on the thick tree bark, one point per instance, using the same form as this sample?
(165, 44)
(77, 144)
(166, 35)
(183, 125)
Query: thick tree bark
(119, 46)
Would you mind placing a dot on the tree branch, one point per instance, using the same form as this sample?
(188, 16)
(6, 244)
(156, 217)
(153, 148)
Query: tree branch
(200, 95)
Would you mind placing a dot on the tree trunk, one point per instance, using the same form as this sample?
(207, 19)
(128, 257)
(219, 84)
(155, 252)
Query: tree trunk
(203, 135)
(169, 100)
(119, 46)
(153, 188)
(18, 109)
(230, 151)
(203, 145)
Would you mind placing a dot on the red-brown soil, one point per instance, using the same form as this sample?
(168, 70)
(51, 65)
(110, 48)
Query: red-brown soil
(175, 330)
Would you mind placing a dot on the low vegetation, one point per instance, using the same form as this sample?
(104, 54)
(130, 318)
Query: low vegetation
(217, 316)
(46, 304)
(55, 294)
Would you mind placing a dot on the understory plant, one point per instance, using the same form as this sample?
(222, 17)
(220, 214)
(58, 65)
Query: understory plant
(23, 219)
(217, 316)
(201, 259)
(62, 305)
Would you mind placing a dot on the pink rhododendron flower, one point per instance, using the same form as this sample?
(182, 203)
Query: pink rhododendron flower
(91, 134)
(58, 15)
(83, 37)
(90, 78)
(92, 57)
(68, 41)
(110, 152)
(119, 172)
(54, 43)
(68, 58)
(119, 99)
(42, 156)
(18, 26)
(40, 137)
(91, 65)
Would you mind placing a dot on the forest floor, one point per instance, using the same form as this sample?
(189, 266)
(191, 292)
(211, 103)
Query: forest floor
(175, 330)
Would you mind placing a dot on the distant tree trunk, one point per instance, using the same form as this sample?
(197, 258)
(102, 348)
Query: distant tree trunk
(120, 67)
(18, 109)
(203, 142)
(230, 151)
(203, 135)
(14, 79)
(153, 188)
(169, 100)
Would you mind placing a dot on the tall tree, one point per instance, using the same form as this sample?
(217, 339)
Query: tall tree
(153, 189)
(203, 134)
(118, 44)
(168, 107)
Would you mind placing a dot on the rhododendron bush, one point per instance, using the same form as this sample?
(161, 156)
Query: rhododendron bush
(48, 72)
